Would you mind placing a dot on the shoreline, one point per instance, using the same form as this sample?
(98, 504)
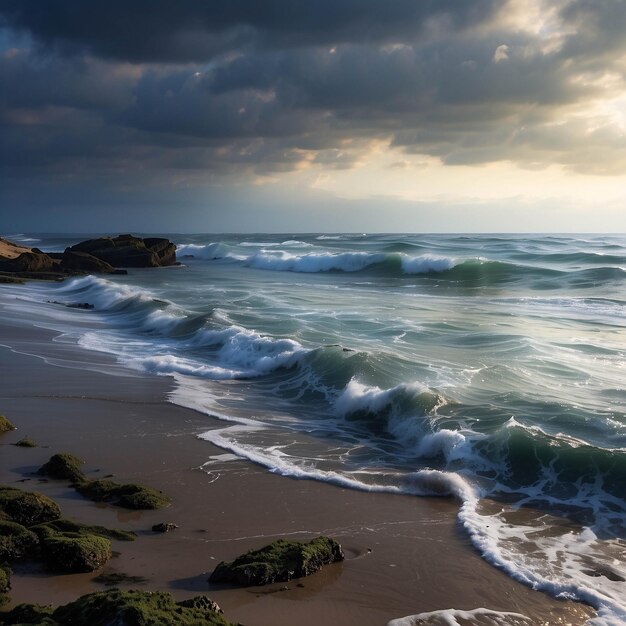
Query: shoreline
(122, 423)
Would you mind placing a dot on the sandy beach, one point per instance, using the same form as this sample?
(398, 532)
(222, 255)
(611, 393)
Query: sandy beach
(405, 555)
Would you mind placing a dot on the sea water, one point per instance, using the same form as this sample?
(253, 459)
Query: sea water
(488, 368)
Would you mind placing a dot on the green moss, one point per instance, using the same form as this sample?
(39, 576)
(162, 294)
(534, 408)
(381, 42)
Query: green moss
(63, 466)
(129, 496)
(68, 526)
(113, 579)
(16, 542)
(5, 579)
(29, 614)
(281, 560)
(5, 585)
(135, 608)
(25, 442)
(5, 425)
(27, 508)
(73, 552)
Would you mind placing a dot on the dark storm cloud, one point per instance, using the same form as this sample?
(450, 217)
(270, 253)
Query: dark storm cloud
(197, 91)
(195, 30)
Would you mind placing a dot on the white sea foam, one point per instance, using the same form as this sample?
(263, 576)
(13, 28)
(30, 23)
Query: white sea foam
(422, 482)
(451, 617)
(253, 353)
(209, 252)
(426, 263)
(104, 294)
(314, 261)
(270, 258)
(357, 397)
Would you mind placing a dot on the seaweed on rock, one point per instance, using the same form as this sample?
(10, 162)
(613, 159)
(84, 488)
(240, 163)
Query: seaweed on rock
(135, 608)
(25, 442)
(74, 552)
(279, 561)
(5, 584)
(63, 466)
(16, 541)
(29, 614)
(68, 526)
(129, 496)
(27, 508)
(5, 425)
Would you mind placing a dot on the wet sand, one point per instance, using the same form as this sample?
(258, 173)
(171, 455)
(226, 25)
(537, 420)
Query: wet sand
(405, 555)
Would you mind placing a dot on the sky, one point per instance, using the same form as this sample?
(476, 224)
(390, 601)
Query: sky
(313, 116)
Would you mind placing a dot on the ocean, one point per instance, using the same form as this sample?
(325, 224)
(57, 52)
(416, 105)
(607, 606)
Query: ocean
(487, 368)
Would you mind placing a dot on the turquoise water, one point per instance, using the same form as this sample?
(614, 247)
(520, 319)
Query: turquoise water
(488, 367)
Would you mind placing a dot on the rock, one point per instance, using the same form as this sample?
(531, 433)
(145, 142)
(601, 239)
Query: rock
(135, 608)
(84, 262)
(74, 552)
(5, 425)
(68, 526)
(27, 508)
(28, 262)
(5, 580)
(201, 602)
(129, 496)
(280, 561)
(129, 251)
(29, 614)
(5, 585)
(63, 466)
(164, 527)
(25, 442)
(81, 305)
(163, 248)
(16, 542)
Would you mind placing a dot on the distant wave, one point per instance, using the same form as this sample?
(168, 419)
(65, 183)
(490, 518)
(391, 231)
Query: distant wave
(312, 262)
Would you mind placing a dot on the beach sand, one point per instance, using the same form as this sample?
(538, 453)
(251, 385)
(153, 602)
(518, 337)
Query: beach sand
(405, 555)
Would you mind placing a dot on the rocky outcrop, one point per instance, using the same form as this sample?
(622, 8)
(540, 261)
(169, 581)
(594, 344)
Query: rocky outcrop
(84, 262)
(28, 262)
(129, 251)
(280, 561)
(104, 255)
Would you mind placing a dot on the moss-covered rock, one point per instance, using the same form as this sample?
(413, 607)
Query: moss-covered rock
(68, 526)
(63, 466)
(5, 579)
(27, 508)
(5, 585)
(16, 541)
(73, 552)
(25, 442)
(280, 561)
(29, 614)
(129, 496)
(135, 608)
(5, 425)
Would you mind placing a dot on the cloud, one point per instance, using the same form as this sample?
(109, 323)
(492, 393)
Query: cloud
(191, 31)
(193, 92)
(501, 53)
